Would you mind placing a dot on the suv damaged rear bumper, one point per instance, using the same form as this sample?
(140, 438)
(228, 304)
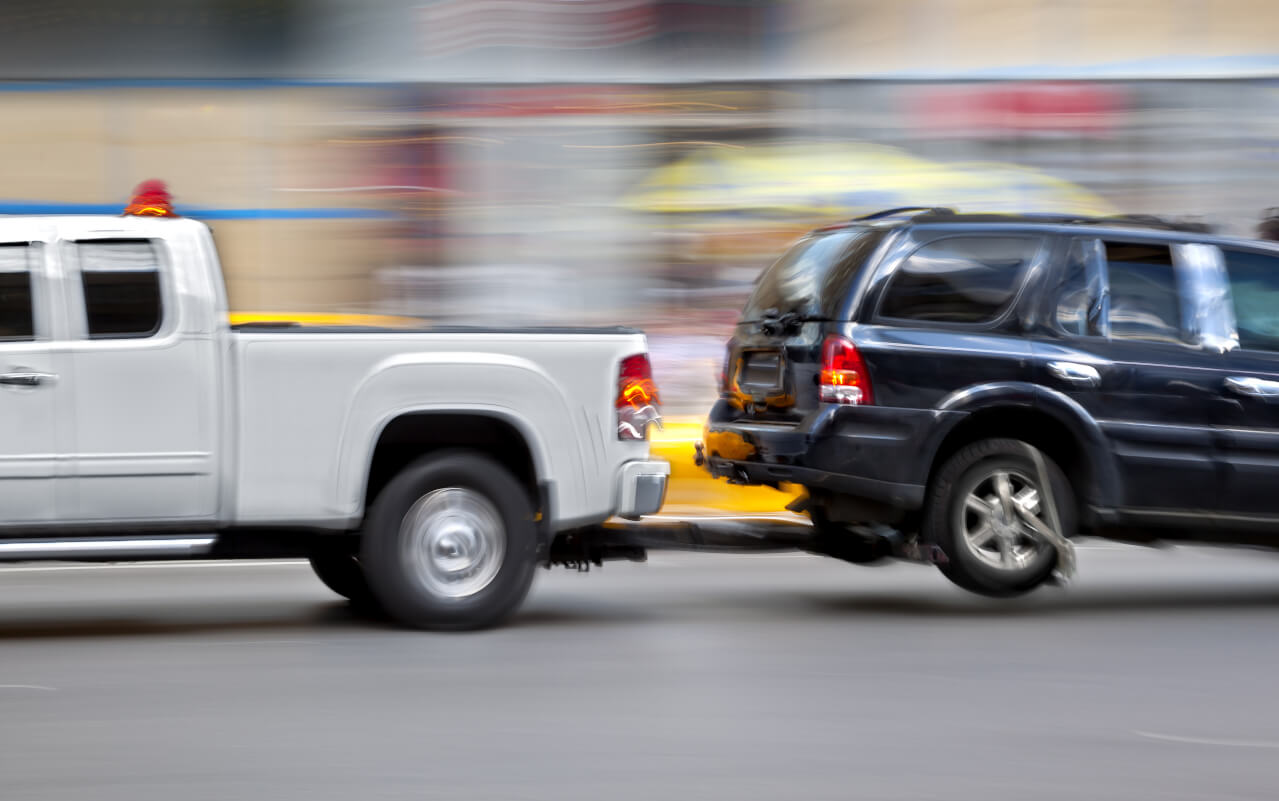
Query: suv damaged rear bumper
(877, 454)
(897, 495)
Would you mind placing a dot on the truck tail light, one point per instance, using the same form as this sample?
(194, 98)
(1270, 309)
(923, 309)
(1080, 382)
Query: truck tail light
(637, 401)
(844, 377)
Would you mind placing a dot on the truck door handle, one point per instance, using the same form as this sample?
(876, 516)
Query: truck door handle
(1252, 386)
(1081, 374)
(26, 378)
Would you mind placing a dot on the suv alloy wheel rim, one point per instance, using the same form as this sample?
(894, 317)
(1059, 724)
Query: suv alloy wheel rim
(994, 520)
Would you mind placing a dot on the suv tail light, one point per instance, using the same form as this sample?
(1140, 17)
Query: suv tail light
(844, 377)
(637, 400)
(725, 370)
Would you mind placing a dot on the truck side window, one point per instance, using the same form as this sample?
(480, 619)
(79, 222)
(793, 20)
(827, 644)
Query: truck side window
(1144, 304)
(121, 280)
(17, 321)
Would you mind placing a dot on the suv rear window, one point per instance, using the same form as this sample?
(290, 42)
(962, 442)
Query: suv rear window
(812, 279)
(967, 279)
(1144, 304)
(1254, 287)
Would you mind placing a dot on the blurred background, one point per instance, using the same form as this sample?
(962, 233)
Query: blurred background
(512, 162)
(517, 162)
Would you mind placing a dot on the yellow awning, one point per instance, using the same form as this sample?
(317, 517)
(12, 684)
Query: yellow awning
(844, 180)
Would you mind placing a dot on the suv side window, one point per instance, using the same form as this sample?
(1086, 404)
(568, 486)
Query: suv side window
(963, 279)
(17, 317)
(1144, 304)
(121, 282)
(1254, 287)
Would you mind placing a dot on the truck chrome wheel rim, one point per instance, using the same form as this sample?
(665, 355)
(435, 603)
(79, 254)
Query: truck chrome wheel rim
(995, 520)
(454, 541)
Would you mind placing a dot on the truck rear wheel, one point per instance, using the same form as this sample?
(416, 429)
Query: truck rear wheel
(450, 543)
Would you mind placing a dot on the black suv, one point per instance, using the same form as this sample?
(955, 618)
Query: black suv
(987, 385)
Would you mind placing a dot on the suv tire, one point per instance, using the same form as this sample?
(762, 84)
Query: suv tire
(450, 543)
(981, 527)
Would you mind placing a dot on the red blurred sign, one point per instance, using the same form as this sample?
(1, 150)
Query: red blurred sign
(1019, 107)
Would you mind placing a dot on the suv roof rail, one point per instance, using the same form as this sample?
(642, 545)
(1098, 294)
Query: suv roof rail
(1152, 221)
(941, 214)
(1156, 222)
(879, 215)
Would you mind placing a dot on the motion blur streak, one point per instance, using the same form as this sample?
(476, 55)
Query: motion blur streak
(616, 162)
(620, 160)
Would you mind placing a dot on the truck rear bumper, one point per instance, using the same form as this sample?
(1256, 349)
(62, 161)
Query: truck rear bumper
(641, 488)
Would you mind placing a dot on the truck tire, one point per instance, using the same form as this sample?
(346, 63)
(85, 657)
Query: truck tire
(981, 527)
(340, 571)
(450, 543)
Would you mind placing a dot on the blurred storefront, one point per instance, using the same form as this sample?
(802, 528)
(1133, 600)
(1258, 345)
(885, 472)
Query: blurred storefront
(635, 161)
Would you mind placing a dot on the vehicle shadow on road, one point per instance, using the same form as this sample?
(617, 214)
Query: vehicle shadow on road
(1052, 602)
(319, 621)
(288, 621)
(782, 605)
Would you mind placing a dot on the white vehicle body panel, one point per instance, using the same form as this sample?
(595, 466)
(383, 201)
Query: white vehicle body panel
(200, 426)
(31, 473)
(555, 389)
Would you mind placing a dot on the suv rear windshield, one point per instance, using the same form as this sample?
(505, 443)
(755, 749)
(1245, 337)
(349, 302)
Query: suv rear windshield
(812, 279)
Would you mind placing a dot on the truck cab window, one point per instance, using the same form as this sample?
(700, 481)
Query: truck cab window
(121, 280)
(17, 321)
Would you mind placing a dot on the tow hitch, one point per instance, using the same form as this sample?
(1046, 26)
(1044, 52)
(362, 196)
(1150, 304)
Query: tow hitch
(582, 548)
(869, 543)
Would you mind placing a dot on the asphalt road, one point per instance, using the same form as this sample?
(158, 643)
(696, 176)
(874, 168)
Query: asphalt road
(693, 676)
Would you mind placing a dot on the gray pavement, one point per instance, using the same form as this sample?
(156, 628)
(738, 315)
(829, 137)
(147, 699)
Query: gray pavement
(692, 676)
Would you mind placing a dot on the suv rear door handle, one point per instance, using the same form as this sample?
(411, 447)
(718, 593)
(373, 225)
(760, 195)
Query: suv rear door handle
(1252, 386)
(1081, 374)
(26, 378)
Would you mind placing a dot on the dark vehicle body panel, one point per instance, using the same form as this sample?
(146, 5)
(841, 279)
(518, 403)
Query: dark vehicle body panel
(1156, 441)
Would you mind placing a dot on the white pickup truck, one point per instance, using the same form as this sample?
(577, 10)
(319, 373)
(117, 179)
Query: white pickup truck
(427, 472)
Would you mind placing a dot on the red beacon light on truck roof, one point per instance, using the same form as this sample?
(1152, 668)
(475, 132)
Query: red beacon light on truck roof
(151, 199)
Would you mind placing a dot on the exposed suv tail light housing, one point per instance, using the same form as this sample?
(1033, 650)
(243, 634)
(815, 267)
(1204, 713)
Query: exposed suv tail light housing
(637, 400)
(726, 369)
(844, 378)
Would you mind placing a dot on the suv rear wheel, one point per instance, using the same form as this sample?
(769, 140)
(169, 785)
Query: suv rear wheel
(979, 511)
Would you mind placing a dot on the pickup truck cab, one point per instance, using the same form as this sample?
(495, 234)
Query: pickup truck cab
(427, 472)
